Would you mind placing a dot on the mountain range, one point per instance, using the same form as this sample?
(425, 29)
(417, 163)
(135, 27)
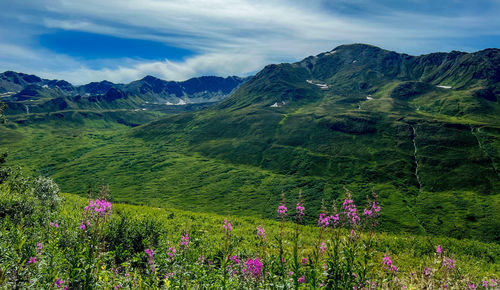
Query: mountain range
(31, 94)
(423, 132)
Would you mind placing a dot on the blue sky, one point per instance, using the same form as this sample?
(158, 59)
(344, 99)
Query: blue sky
(124, 40)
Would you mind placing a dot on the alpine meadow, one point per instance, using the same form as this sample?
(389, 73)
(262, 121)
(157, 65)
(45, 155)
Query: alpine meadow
(356, 168)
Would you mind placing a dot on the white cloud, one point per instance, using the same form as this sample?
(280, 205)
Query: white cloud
(237, 36)
(207, 64)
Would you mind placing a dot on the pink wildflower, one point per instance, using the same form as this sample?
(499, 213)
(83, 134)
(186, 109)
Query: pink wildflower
(350, 209)
(151, 259)
(235, 259)
(82, 226)
(324, 220)
(261, 232)
(253, 267)
(300, 209)
(304, 261)
(282, 210)
(185, 241)
(493, 282)
(472, 286)
(427, 271)
(388, 264)
(58, 283)
(172, 252)
(439, 249)
(32, 260)
(322, 248)
(227, 226)
(450, 263)
(301, 280)
(485, 284)
(335, 219)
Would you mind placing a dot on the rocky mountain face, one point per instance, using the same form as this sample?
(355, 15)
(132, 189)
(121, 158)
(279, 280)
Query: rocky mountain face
(424, 130)
(31, 94)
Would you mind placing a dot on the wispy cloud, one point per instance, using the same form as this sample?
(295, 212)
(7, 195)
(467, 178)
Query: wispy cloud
(240, 36)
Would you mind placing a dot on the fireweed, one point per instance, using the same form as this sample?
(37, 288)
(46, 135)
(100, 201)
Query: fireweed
(339, 254)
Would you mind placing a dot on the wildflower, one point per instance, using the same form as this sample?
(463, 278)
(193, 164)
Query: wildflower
(427, 271)
(439, 249)
(58, 283)
(151, 259)
(253, 267)
(350, 209)
(367, 212)
(450, 263)
(301, 280)
(304, 261)
(235, 259)
(323, 220)
(185, 241)
(201, 259)
(39, 248)
(485, 284)
(375, 207)
(335, 219)
(282, 210)
(172, 252)
(227, 226)
(82, 226)
(300, 209)
(55, 225)
(388, 264)
(32, 260)
(261, 233)
(493, 282)
(446, 286)
(472, 286)
(322, 248)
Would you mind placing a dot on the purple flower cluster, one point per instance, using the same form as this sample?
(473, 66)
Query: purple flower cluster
(282, 210)
(493, 283)
(185, 242)
(227, 226)
(352, 212)
(450, 263)
(261, 233)
(300, 209)
(388, 264)
(151, 258)
(324, 220)
(55, 225)
(99, 206)
(172, 252)
(253, 268)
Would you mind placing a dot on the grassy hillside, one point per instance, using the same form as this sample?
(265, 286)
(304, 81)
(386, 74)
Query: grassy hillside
(52, 240)
(423, 132)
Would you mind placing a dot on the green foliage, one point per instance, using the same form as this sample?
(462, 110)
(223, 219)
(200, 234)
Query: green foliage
(133, 248)
(236, 157)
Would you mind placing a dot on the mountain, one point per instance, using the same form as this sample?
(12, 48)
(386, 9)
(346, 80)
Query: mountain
(26, 94)
(423, 131)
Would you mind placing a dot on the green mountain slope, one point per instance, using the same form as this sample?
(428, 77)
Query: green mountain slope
(423, 132)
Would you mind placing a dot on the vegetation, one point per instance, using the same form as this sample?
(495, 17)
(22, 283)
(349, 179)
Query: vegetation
(53, 240)
(432, 153)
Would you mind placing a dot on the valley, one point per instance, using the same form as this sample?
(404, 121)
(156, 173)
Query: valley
(422, 132)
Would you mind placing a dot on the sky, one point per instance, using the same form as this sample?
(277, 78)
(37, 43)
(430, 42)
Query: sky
(124, 40)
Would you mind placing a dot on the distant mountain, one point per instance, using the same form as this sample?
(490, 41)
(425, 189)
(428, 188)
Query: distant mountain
(30, 94)
(424, 131)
